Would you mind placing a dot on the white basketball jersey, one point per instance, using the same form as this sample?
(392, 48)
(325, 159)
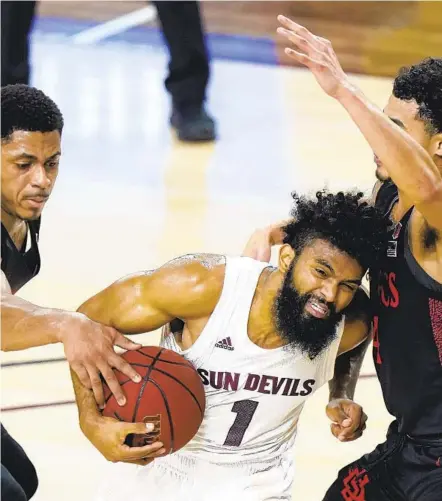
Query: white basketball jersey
(254, 396)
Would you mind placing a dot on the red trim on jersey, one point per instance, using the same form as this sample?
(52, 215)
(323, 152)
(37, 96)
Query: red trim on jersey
(436, 323)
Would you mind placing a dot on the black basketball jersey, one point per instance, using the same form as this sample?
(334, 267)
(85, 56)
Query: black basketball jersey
(20, 266)
(407, 344)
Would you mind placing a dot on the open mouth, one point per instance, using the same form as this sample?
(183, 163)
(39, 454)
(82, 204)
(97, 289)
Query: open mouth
(317, 309)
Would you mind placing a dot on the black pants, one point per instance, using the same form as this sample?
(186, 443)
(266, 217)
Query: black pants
(19, 478)
(189, 63)
(182, 31)
(400, 469)
(16, 22)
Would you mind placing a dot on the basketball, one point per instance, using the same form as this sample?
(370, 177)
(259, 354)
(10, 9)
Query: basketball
(171, 394)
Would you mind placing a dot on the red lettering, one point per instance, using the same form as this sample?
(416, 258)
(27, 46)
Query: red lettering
(376, 344)
(388, 292)
(394, 303)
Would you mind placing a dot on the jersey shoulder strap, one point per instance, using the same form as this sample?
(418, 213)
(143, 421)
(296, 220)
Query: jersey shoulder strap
(386, 197)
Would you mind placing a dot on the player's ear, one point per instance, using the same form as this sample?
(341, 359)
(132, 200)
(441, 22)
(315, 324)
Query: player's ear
(286, 256)
(436, 149)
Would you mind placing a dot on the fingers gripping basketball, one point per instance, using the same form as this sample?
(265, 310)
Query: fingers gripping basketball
(170, 395)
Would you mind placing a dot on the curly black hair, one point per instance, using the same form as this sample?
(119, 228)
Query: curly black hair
(29, 109)
(344, 220)
(422, 83)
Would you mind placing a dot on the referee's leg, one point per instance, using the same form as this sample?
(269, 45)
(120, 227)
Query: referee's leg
(16, 23)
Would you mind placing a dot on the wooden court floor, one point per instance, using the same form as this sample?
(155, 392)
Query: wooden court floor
(129, 197)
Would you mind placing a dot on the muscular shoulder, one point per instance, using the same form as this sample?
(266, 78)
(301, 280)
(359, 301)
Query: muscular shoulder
(197, 267)
(191, 284)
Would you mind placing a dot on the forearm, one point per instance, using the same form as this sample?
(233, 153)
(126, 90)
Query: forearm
(86, 404)
(25, 325)
(410, 167)
(347, 369)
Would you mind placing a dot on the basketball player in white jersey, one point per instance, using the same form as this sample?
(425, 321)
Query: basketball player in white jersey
(262, 339)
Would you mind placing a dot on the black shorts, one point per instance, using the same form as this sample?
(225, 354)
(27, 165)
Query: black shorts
(400, 469)
(18, 476)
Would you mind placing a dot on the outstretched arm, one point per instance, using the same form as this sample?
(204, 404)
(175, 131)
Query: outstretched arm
(89, 346)
(25, 325)
(410, 167)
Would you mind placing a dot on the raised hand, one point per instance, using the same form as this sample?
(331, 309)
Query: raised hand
(317, 54)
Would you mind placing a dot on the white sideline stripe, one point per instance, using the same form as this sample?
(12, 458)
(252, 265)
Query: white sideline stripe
(115, 26)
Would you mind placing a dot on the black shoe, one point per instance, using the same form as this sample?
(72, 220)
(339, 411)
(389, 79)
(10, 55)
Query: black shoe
(193, 124)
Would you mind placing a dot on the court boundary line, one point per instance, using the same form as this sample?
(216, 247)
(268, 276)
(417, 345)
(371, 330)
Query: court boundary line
(115, 26)
(20, 363)
(221, 46)
(25, 407)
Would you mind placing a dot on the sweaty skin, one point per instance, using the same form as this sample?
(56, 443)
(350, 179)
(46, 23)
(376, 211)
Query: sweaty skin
(188, 288)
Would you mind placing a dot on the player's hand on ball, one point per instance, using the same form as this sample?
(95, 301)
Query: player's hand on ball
(349, 420)
(89, 349)
(108, 435)
(317, 54)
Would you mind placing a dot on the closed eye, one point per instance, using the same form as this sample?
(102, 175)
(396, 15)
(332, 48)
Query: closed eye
(24, 165)
(320, 272)
(349, 287)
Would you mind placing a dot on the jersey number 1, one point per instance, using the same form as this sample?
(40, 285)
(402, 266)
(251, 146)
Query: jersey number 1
(244, 413)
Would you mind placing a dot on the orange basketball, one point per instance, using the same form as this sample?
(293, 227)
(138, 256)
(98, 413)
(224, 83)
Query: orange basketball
(171, 394)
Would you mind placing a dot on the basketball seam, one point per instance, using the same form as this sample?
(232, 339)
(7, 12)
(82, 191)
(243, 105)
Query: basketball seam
(145, 381)
(176, 363)
(183, 385)
(111, 394)
(187, 366)
(184, 364)
(166, 403)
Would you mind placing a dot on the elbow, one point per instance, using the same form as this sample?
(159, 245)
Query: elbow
(432, 192)
(429, 187)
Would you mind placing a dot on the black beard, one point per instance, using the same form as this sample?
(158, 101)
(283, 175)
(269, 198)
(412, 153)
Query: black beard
(295, 325)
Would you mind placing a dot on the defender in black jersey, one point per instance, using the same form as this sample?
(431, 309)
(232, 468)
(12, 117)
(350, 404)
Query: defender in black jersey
(407, 351)
(31, 133)
(406, 286)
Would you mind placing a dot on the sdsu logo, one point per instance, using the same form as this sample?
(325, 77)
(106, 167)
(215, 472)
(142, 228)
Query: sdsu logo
(392, 244)
(355, 483)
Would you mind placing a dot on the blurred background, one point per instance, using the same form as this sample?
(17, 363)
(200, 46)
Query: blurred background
(372, 38)
(186, 127)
